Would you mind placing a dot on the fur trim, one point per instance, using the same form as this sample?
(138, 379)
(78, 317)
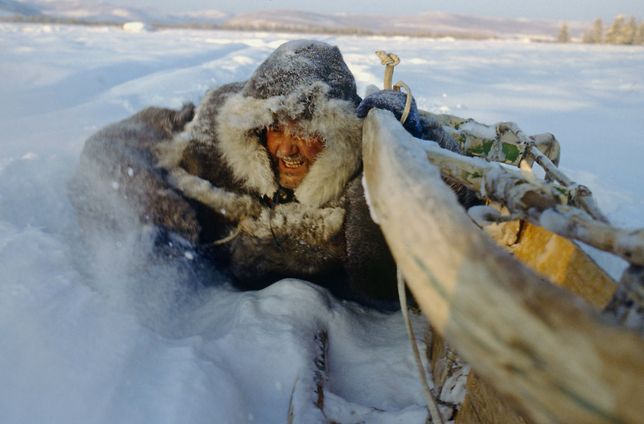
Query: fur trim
(232, 205)
(237, 127)
(341, 129)
(202, 128)
(313, 226)
(241, 119)
(169, 153)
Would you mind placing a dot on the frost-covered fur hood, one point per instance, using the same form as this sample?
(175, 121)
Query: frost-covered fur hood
(303, 81)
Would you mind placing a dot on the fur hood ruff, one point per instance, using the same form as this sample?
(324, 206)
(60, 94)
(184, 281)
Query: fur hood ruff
(240, 120)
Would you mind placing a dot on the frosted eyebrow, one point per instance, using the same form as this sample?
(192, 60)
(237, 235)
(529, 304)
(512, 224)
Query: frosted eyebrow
(315, 138)
(296, 132)
(309, 138)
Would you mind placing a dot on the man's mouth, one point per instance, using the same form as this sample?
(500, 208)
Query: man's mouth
(293, 161)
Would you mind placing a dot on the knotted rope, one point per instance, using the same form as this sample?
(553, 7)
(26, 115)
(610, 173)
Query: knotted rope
(390, 60)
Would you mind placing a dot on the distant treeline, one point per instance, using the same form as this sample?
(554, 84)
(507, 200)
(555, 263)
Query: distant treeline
(627, 31)
(279, 27)
(623, 30)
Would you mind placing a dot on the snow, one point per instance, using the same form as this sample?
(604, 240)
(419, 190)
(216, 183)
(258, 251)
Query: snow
(484, 215)
(111, 333)
(135, 26)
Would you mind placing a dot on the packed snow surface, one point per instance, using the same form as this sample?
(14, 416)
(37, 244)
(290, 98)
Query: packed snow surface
(110, 333)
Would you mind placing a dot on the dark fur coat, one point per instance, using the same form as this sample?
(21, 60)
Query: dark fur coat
(210, 179)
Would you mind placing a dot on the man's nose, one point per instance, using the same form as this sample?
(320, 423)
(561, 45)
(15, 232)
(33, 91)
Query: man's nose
(287, 147)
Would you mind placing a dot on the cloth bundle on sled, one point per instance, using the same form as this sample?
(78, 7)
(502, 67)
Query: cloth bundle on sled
(292, 174)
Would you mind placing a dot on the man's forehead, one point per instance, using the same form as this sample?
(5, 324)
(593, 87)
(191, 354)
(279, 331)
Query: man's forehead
(296, 129)
(287, 124)
(290, 126)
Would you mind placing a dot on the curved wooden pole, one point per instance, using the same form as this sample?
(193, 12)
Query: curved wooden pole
(541, 347)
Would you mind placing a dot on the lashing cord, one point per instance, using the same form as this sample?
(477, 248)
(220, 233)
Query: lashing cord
(390, 60)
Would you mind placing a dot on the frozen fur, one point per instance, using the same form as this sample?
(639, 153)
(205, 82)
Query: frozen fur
(317, 225)
(207, 179)
(241, 119)
(234, 206)
(308, 224)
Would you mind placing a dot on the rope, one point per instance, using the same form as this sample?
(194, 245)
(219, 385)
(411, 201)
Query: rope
(432, 404)
(407, 109)
(390, 60)
(230, 237)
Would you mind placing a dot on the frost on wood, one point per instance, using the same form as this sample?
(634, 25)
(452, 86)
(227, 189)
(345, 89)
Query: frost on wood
(372, 210)
(505, 142)
(627, 306)
(502, 317)
(494, 142)
(528, 198)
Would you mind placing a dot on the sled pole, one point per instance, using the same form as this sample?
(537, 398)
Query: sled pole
(540, 203)
(579, 194)
(546, 351)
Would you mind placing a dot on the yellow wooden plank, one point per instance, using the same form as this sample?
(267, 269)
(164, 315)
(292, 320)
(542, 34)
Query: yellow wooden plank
(564, 263)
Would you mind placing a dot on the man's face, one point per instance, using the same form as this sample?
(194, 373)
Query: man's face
(293, 153)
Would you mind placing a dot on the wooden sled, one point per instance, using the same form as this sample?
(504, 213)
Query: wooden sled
(563, 263)
(525, 316)
(559, 260)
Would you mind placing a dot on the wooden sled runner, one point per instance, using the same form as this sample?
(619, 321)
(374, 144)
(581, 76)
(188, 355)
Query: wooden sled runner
(543, 351)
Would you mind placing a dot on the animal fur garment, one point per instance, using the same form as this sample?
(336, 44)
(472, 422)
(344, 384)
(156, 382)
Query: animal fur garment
(211, 179)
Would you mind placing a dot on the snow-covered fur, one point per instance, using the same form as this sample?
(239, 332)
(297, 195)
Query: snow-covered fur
(332, 119)
(221, 162)
(211, 179)
(306, 82)
(116, 183)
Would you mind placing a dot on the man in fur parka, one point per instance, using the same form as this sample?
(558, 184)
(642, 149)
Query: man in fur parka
(263, 179)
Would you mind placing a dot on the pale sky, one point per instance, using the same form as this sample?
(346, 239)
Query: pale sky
(547, 9)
